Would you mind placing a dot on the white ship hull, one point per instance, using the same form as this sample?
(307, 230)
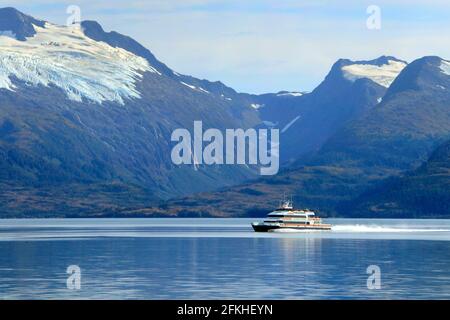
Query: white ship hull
(264, 227)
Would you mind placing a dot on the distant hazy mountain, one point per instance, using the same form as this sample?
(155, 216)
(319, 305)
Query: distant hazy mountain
(396, 135)
(86, 118)
(424, 192)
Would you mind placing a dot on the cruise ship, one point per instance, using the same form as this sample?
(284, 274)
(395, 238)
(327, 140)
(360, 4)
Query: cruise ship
(286, 217)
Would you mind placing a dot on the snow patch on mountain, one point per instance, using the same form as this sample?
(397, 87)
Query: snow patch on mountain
(256, 106)
(64, 57)
(291, 94)
(383, 75)
(445, 67)
(194, 87)
(286, 127)
(188, 85)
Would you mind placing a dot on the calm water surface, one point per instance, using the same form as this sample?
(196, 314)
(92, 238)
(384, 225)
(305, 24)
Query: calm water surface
(222, 258)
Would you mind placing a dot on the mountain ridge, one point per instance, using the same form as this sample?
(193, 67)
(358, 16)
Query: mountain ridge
(72, 124)
(418, 193)
(396, 135)
(66, 153)
(20, 24)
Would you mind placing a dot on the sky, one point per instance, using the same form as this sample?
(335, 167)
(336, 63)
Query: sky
(259, 46)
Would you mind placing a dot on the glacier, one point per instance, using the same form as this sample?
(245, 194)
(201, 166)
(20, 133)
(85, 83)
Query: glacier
(384, 75)
(63, 56)
(445, 67)
(293, 94)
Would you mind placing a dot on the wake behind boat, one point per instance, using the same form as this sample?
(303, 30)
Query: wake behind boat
(286, 217)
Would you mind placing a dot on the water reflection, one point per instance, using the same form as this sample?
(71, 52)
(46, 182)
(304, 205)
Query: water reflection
(214, 267)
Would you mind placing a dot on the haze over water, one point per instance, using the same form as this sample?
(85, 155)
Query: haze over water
(222, 258)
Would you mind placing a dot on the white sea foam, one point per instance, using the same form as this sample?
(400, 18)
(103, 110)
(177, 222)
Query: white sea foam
(66, 58)
(373, 228)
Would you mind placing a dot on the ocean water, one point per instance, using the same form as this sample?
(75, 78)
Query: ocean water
(223, 259)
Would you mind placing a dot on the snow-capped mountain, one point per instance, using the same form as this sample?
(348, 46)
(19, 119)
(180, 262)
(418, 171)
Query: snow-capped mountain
(86, 118)
(350, 89)
(64, 57)
(84, 111)
(389, 139)
(39, 52)
(428, 73)
(415, 109)
(217, 89)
